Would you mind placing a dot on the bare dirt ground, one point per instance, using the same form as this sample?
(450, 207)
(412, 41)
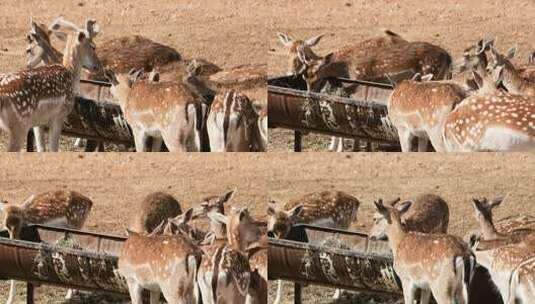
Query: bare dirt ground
(225, 32)
(457, 178)
(116, 182)
(451, 24)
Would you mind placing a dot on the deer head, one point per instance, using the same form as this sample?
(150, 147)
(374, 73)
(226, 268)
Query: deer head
(474, 57)
(12, 217)
(498, 62)
(483, 212)
(295, 64)
(280, 222)
(393, 226)
(378, 230)
(216, 204)
(315, 70)
(242, 229)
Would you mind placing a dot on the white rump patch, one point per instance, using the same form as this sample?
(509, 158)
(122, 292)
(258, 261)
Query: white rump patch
(505, 139)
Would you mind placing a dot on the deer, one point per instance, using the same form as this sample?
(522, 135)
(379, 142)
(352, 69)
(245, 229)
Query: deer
(161, 263)
(234, 124)
(511, 79)
(474, 59)
(427, 213)
(63, 209)
(153, 210)
(45, 95)
(498, 122)
(335, 209)
(521, 288)
(528, 70)
(168, 111)
(429, 262)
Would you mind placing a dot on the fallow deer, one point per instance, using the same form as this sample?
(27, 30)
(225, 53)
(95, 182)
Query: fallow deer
(160, 263)
(499, 122)
(234, 125)
(528, 70)
(45, 95)
(428, 213)
(474, 60)
(211, 205)
(522, 286)
(153, 210)
(334, 209)
(169, 111)
(511, 79)
(438, 264)
(64, 209)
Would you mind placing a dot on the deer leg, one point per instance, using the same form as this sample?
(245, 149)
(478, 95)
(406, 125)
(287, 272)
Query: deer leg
(140, 137)
(425, 295)
(135, 291)
(408, 292)
(156, 144)
(174, 141)
(54, 132)
(39, 133)
(278, 297)
(405, 138)
(423, 143)
(17, 137)
(154, 297)
(12, 292)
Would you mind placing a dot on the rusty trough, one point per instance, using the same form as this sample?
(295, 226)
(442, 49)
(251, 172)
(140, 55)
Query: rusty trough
(350, 260)
(363, 115)
(62, 257)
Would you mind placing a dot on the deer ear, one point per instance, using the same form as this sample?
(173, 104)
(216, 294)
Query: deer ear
(218, 217)
(478, 79)
(381, 208)
(285, 39)
(496, 201)
(296, 211)
(314, 40)
(81, 37)
(188, 215)
(328, 59)
(511, 52)
(227, 196)
(271, 211)
(404, 206)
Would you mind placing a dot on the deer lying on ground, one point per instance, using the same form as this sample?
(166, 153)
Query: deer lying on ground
(45, 95)
(153, 210)
(234, 125)
(333, 209)
(511, 79)
(428, 213)
(64, 209)
(168, 111)
(429, 262)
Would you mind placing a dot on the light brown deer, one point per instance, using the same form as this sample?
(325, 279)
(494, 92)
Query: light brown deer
(502, 68)
(153, 210)
(334, 209)
(522, 286)
(211, 205)
(438, 264)
(234, 124)
(168, 111)
(64, 209)
(45, 95)
(474, 59)
(428, 213)
(499, 122)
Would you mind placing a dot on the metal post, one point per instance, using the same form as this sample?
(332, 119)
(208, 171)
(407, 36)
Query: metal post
(298, 141)
(297, 293)
(29, 293)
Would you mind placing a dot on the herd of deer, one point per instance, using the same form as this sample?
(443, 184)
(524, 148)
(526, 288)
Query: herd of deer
(426, 258)
(482, 103)
(170, 104)
(164, 252)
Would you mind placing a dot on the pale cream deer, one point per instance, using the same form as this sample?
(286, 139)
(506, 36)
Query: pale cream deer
(429, 262)
(153, 210)
(428, 213)
(64, 209)
(45, 95)
(234, 124)
(502, 68)
(168, 111)
(334, 209)
(522, 286)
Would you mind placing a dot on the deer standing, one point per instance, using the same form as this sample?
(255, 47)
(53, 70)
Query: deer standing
(502, 68)
(334, 209)
(428, 213)
(64, 209)
(440, 264)
(168, 111)
(45, 95)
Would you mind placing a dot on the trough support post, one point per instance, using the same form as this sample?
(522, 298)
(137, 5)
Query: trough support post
(29, 293)
(297, 293)
(298, 141)
(30, 141)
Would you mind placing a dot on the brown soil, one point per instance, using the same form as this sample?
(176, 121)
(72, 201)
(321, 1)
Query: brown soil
(451, 24)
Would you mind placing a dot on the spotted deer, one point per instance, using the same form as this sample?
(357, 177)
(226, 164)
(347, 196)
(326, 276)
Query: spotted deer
(528, 70)
(499, 122)
(501, 67)
(474, 59)
(234, 124)
(334, 209)
(64, 209)
(168, 111)
(211, 205)
(428, 261)
(153, 210)
(45, 95)
(428, 213)
(522, 286)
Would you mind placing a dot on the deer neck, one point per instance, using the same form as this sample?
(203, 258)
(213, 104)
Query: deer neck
(488, 230)
(219, 230)
(72, 61)
(512, 80)
(395, 233)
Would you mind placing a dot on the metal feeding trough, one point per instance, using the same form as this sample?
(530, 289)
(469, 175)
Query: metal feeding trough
(362, 115)
(62, 257)
(348, 260)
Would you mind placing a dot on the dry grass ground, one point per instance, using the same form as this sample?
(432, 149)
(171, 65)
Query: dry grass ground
(451, 24)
